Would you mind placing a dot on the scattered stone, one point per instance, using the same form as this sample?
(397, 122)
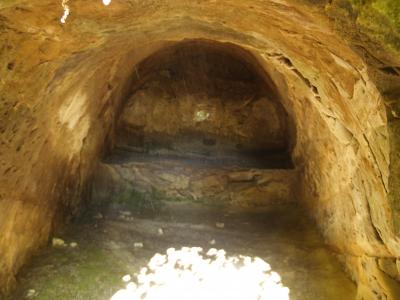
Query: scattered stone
(30, 293)
(220, 225)
(212, 242)
(138, 245)
(125, 213)
(73, 245)
(58, 243)
(160, 231)
(126, 278)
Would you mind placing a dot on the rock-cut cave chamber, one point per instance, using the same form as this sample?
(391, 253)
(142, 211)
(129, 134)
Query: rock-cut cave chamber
(201, 123)
(254, 127)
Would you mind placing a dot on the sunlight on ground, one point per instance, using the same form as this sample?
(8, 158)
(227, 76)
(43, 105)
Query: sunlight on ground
(190, 274)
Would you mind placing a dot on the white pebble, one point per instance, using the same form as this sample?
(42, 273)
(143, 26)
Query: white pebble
(126, 278)
(30, 293)
(73, 245)
(212, 242)
(57, 242)
(138, 245)
(160, 231)
(219, 225)
(125, 213)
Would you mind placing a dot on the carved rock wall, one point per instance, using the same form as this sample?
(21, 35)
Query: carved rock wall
(202, 98)
(62, 86)
(179, 181)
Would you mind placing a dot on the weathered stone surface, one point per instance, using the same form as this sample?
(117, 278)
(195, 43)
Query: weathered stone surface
(61, 87)
(373, 282)
(243, 176)
(388, 265)
(198, 100)
(178, 180)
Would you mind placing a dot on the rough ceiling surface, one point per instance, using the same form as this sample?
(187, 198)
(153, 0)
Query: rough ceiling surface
(62, 85)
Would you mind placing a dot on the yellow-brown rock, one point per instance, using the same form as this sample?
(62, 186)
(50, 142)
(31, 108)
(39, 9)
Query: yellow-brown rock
(62, 87)
(177, 180)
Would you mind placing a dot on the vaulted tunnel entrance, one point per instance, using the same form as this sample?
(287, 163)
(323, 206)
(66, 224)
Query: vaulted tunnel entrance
(203, 122)
(200, 156)
(205, 98)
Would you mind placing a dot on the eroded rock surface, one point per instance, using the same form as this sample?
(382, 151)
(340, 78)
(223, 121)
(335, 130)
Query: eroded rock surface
(198, 98)
(182, 181)
(62, 88)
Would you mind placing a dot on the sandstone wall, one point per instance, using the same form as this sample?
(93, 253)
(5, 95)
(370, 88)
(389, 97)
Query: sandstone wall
(61, 85)
(179, 181)
(199, 98)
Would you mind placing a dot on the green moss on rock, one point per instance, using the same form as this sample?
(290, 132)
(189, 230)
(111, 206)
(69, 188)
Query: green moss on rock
(379, 20)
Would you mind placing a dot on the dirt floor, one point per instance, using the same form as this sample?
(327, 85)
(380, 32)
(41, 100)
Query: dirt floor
(106, 251)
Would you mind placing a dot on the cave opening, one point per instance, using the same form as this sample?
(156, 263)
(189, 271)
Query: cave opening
(199, 159)
(205, 124)
(205, 100)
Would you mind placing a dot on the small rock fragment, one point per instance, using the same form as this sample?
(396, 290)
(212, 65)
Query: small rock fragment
(30, 293)
(219, 225)
(126, 278)
(138, 245)
(73, 245)
(160, 231)
(57, 242)
(212, 242)
(125, 213)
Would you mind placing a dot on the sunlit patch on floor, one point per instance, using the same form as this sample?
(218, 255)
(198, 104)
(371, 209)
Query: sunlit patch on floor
(190, 273)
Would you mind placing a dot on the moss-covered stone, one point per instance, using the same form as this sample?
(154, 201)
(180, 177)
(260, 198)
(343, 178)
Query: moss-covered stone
(394, 179)
(377, 20)
(85, 273)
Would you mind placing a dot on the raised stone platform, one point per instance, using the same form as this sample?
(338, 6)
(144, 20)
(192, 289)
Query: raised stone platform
(202, 180)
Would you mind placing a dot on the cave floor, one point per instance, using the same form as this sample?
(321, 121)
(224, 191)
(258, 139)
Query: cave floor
(106, 251)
